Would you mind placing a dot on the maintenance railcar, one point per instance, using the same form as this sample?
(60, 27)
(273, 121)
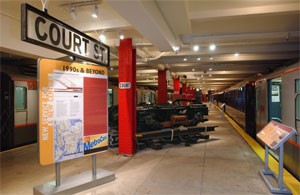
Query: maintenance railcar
(275, 96)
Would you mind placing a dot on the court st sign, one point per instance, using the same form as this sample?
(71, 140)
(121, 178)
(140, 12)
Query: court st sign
(41, 29)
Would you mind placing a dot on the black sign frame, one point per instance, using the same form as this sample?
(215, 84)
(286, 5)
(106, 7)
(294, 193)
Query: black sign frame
(24, 34)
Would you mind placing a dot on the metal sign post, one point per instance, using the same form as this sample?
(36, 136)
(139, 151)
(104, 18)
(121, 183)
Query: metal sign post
(94, 166)
(57, 174)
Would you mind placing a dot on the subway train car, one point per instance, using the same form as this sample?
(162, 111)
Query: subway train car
(275, 96)
(19, 110)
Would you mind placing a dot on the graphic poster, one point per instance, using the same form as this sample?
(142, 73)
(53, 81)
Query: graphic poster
(73, 110)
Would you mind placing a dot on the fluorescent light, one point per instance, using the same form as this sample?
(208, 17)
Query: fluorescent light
(198, 59)
(196, 47)
(102, 37)
(121, 36)
(175, 48)
(95, 12)
(212, 47)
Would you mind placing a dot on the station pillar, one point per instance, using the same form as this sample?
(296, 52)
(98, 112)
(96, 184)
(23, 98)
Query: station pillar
(184, 91)
(162, 86)
(127, 98)
(176, 88)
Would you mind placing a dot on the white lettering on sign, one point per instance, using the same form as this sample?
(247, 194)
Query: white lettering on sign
(41, 29)
(124, 85)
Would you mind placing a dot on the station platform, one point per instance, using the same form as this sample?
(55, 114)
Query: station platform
(224, 164)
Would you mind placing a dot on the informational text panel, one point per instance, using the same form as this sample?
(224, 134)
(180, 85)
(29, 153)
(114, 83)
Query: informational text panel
(73, 118)
(275, 134)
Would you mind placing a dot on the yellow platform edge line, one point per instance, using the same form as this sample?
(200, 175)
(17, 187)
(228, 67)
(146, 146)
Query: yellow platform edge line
(289, 180)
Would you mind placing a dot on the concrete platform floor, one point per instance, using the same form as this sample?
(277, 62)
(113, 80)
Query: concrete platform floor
(223, 165)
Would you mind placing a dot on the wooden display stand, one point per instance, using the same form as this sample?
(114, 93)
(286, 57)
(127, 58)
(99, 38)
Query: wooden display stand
(274, 135)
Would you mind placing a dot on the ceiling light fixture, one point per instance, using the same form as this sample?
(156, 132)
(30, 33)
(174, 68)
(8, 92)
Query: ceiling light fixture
(175, 48)
(102, 37)
(209, 75)
(211, 58)
(198, 59)
(210, 69)
(212, 47)
(121, 36)
(95, 12)
(196, 47)
(236, 54)
(193, 69)
(73, 13)
(185, 59)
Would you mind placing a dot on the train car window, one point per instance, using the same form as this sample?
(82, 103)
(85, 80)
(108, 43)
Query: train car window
(297, 86)
(21, 98)
(274, 93)
(110, 97)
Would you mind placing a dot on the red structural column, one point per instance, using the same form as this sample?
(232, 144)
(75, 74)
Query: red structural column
(176, 87)
(162, 86)
(127, 97)
(204, 97)
(184, 91)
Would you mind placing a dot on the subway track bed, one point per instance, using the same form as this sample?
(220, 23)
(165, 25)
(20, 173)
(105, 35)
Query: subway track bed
(223, 164)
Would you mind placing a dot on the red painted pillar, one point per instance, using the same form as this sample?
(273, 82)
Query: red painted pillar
(184, 91)
(162, 86)
(204, 97)
(127, 97)
(176, 87)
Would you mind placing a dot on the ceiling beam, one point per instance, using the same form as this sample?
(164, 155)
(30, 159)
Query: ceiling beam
(265, 9)
(146, 17)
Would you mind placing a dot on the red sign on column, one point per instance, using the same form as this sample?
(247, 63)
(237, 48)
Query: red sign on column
(127, 97)
(162, 86)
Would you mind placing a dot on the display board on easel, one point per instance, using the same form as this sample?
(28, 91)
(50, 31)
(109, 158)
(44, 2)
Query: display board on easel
(274, 135)
(73, 110)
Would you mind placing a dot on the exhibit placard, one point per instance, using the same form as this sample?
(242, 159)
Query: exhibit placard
(124, 85)
(275, 134)
(73, 111)
(41, 29)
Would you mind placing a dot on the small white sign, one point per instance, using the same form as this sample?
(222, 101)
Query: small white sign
(124, 85)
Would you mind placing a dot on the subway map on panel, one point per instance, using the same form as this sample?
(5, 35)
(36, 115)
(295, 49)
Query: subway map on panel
(68, 139)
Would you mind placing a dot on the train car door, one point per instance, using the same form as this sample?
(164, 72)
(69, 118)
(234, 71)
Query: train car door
(274, 99)
(7, 112)
(26, 113)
